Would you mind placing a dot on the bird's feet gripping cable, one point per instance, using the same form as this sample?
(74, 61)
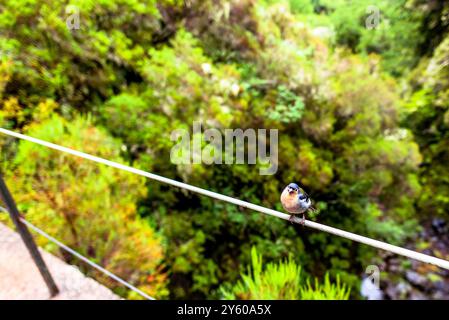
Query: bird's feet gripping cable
(302, 222)
(291, 218)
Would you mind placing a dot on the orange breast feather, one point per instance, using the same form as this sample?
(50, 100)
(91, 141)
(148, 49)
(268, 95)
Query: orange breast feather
(289, 201)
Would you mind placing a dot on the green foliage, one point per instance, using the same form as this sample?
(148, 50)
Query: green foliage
(90, 208)
(301, 6)
(396, 38)
(311, 69)
(325, 291)
(276, 282)
(429, 120)
(281, 281)
(289, 107)
(78, 67)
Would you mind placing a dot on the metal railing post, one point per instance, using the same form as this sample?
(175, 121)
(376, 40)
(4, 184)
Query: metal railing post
(27, 238)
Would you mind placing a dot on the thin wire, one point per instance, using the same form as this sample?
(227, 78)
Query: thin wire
(83, 258)
(314, 225)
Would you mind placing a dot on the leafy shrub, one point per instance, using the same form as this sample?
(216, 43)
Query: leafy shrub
(281, 281)
(326, 291)
(429, 120)
(89, 207)
(144, 69)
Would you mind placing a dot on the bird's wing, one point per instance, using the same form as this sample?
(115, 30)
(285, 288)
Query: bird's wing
(302, 190)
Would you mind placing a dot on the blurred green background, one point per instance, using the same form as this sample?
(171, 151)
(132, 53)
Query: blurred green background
(361, 102)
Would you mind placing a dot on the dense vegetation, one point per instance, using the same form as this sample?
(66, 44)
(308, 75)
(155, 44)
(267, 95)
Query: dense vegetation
(362, 115)
(282, 281)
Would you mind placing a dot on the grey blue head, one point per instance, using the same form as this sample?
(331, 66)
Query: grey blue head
(293, 188)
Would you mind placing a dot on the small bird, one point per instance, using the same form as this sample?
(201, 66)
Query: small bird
(296, 201)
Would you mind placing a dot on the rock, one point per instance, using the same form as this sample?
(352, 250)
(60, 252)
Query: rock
(439, 296)
(395, 268)
(416, 295)
(416, 279)
(439, 226)
(423, 234)
(403, 289)
(389, 293)
(394, 265)
(411, 279)
(442, 286)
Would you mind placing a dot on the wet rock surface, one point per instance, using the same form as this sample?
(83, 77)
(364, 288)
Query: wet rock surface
(403, 278)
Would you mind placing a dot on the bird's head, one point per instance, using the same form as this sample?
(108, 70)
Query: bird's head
(293, 188)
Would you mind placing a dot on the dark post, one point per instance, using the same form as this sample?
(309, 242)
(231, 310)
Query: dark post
(27, 238)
